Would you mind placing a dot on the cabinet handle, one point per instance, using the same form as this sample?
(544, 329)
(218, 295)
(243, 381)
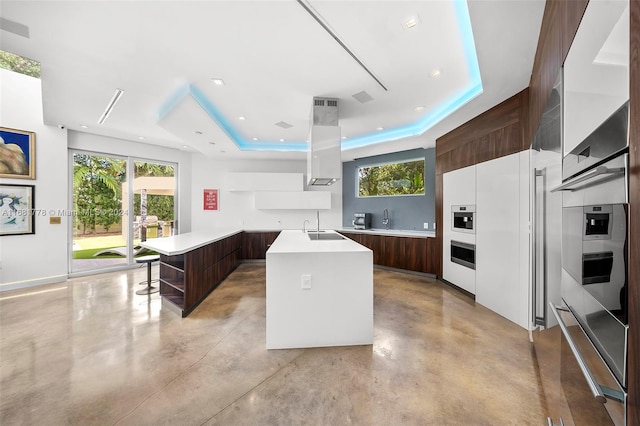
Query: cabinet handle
(538, 225)
(591, 381)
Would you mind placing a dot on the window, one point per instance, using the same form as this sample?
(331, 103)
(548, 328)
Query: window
(107, 228)
(17, 63)
(403, 178)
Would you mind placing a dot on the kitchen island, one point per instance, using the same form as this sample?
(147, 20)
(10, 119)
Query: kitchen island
(193, 264)
(319, 291)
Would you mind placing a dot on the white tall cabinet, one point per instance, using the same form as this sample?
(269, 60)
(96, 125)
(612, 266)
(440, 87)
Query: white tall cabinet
(459, 189)
(500, 191)
(502, 237)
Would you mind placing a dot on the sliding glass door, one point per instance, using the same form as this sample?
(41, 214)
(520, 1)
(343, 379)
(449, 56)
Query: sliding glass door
(113, 213)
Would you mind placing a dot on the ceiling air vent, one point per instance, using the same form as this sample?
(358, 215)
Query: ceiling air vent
(362, 97)
(284, 125)
(318, 102)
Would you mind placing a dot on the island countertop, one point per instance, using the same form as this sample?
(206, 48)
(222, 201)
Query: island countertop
(297, 241)
(182, 243)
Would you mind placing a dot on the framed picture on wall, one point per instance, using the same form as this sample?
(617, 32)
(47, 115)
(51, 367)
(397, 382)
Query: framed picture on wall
(17, 154)
(16, 209)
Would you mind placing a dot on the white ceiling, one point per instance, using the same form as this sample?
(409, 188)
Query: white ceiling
(274, 58)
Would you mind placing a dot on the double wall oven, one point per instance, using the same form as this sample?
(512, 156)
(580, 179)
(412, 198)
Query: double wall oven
(595, 238)
(462, 220)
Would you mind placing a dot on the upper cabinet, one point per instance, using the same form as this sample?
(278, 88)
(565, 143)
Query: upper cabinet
(596, 70)
(264, 182)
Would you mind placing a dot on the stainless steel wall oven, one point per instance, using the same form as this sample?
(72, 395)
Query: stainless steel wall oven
(595, 238)
(463, 254)
(462, 218)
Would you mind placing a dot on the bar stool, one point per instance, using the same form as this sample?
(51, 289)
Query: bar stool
(148, 260)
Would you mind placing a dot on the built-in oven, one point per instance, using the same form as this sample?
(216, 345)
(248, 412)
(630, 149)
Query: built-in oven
(593, 394)
(463, 254)
(462, 218)
(595, 219)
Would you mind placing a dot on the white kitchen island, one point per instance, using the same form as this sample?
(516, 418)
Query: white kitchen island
(319, 292)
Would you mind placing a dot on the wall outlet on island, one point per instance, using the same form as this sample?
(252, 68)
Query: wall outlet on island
(306, 281)
(426, 225)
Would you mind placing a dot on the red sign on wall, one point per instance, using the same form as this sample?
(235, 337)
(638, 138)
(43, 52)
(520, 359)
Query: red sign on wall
(211, 199)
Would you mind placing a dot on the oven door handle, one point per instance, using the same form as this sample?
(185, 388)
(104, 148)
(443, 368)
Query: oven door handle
(591, 381)
(598, 171)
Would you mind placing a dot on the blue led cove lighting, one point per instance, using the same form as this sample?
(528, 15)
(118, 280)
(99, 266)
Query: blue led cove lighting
(473, 89)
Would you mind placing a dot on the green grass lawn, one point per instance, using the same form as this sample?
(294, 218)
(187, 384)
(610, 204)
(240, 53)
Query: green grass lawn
(87, 247)
(90, 254)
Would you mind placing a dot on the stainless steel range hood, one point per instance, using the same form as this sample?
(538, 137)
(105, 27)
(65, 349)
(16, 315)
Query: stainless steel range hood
(324, 164)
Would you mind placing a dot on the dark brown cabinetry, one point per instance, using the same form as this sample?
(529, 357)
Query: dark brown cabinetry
(186, 279)
(256, 243)
(409, 253)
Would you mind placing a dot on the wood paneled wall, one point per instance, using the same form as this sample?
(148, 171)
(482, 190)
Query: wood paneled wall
(497, 132)
(560, 22)
(472, 144)
(633, 372)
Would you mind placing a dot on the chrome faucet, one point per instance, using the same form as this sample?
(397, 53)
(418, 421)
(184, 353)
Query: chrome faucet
(318, 219)
(304, 225)
(385, 219)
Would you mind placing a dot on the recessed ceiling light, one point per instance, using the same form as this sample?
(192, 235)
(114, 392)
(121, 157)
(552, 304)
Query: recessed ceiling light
(218, 81)
(379, 128)
(419, 108)
(84, 127)
(185, 147)
(411, 22)
(435, 73)
(255, 139)
(141, 138)
(241, 118)
(197, 132)
(344, 137)
(281, 140)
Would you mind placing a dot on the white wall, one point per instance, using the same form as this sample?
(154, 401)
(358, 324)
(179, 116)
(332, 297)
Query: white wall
(107, 145)
(236, 209)
(41, 258)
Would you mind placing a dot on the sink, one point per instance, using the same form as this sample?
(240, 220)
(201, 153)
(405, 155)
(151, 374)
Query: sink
(331, 236)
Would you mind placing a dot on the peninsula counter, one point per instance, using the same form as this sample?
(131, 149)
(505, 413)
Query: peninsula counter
(193, 264)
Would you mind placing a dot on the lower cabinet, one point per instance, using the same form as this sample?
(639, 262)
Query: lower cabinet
(256, 243)
(186, 279)
(409, 253)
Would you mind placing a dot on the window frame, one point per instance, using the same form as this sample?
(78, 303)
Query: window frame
(408, 160)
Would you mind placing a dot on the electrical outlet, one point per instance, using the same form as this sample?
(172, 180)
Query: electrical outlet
(306, 281)
(426, 225)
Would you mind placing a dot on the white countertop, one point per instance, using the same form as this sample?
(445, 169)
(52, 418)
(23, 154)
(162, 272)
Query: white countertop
(291, 241)
(392, 232)
(180, 244)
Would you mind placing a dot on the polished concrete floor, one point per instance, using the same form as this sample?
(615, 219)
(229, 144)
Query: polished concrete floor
(90, 351)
